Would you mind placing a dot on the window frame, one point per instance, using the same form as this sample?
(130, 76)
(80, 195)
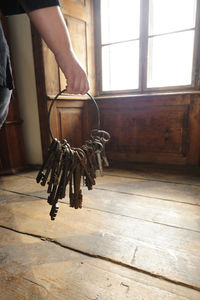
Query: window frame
(143, 50)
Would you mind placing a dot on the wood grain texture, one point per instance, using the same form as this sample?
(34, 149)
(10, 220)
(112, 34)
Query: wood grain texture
(131, 221)
(53, 272)
(126, 243)
(154, 129)
(66, 121)
(163, 251)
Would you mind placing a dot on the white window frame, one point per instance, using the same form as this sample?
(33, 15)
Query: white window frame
(195, 84)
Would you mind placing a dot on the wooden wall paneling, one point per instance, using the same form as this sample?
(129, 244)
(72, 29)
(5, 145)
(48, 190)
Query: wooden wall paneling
(86, 121)
(161, 130)
(71, 125)
(194, 131)
(82, 2)
(12, 153)
(157, 129)
(70, 116)
(67, 121)
(77, 9)
(90, 118)
(54, 125)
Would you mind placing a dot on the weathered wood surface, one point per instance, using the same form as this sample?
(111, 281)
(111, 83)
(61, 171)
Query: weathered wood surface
(160, 237)
(165, 190)
(112, 195)
(165, 251)
(31, 268)
(158, 173)
(150, 172)
(139, 207)
(152, 128)
(162, 190)
(149, 209)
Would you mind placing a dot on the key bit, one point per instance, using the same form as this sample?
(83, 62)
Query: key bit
(54, 211)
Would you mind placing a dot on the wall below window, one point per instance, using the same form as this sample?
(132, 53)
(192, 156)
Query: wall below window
(152, 129)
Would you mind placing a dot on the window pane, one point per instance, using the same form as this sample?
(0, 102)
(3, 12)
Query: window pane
(120, 66)
(120, 20)
(170, 59)
(171, 15)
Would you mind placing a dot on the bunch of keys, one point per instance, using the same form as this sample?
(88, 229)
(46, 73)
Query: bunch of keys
(65, 165)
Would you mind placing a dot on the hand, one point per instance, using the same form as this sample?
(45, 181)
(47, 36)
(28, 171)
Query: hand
(77, 82)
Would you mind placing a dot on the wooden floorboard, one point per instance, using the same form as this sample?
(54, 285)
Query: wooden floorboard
(181, 176)
(170, 213)
(34, 269)
(182, 193)
(153, 189)
(141, 224)
(163, 251)
(150, 208)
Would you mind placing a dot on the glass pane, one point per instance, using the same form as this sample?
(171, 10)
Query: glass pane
(120, 20)
(120, 66)
(170, 59)
(171, 15)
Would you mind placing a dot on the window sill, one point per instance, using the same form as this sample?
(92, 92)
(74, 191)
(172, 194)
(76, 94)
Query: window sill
(124, 96)
(68, 97)
(152, 94)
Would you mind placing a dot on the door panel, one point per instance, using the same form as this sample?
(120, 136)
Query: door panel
(77, 29)
(72, 117)
(67, 114)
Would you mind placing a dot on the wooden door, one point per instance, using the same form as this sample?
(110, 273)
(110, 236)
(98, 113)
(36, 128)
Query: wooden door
(69, 111)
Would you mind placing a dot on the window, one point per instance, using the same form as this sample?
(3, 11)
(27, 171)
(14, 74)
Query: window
(147, 44)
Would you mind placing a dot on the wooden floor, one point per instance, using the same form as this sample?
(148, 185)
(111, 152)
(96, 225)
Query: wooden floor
(137, 237)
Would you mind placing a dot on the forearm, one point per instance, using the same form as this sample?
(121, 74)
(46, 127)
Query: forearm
(51, 25)
(52, 28)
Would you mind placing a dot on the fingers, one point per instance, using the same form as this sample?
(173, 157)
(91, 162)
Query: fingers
(77, 87)
(84, 87)
(77, 84)
(76, 77)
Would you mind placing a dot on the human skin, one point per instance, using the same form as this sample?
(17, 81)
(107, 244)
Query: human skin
(51, 25)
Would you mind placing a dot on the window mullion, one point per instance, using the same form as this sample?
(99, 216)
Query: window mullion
(144, 17)
(98, 48)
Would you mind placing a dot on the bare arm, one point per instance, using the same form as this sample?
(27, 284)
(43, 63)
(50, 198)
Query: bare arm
(52, 28)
